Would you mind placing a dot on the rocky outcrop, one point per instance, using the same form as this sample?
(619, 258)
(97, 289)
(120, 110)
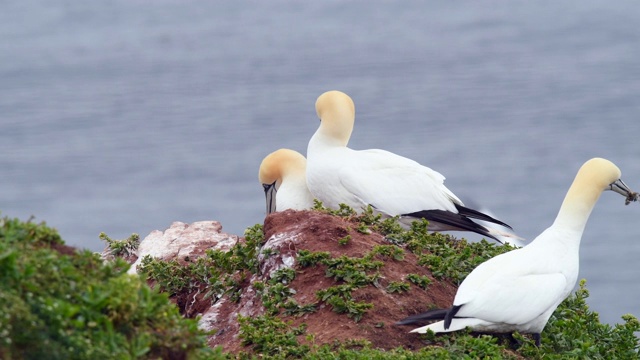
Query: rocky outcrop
(318, 232)
(183, 241)
(286, 233)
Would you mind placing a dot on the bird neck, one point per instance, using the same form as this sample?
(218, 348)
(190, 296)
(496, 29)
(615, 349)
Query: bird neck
(577, 206)
(337, 125)
(325, 138)
(295, 175)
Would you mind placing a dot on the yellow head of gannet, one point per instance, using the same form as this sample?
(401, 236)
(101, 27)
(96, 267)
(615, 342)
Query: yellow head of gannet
(594, 177)
(283, 171)
(337, 115)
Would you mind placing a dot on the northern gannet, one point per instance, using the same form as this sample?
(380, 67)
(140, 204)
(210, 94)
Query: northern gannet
(393, 185)
(520, 289)
(283, 172)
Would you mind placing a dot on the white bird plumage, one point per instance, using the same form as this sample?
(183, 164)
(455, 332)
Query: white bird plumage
(391, 184)
(282, 174)
(519, 290)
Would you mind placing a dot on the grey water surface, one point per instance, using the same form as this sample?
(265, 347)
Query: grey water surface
(123, 116)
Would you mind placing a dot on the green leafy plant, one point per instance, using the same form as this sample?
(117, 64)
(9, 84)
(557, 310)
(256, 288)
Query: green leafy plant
(268, 252)
(61, 304)
(576, 332)
(390, 251)
(446, 257)
(343, 210)
(375, 222)
(270, 336)
(352, 270)
(341, 300)
(345, 240)
(217, 273)
(291, 307)
(307, 258)
(121, 248)
(397, 286)
(276, 295)
(363, 229)
(284, 275)
(420, 281)
(343, 290)
(353, 309)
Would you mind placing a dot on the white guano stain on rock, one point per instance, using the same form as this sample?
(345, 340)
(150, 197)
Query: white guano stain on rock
(209, 319)
(283, 253)
(182, 240)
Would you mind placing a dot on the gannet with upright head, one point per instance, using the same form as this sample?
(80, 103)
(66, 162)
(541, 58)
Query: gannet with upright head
(519, 290)
(282, 175)
(391, 184)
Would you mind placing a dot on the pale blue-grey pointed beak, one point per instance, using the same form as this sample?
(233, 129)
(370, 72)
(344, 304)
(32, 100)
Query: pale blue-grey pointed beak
(270, 194)
(621, 188)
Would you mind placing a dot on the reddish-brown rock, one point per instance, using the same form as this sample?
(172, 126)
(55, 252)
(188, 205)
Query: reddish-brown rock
(286, 233)
(315, 231)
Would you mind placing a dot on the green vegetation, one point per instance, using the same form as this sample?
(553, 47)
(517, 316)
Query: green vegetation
(307, 258)
(446, 257)
(59, 304)
(388, 251)
(576, 332)
(217, 273)
(277, 295)
(345, 240)
(366, 222)
(419, 280)
(354, 273)
(56, 303)
(397, 286)
(341, 300)
(271, 337)
(121, 248)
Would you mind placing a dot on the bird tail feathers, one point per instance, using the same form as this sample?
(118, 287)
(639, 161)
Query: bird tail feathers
(436, 314)
(456, 324)
(505, 236)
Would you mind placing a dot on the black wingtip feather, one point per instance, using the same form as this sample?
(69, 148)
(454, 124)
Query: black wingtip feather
(449, 316)
(475, 214)
(436, 314)
(456, 221)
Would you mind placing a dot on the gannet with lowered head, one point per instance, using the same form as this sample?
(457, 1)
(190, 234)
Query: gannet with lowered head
(520, 289)
(391, 184)
(282, 174)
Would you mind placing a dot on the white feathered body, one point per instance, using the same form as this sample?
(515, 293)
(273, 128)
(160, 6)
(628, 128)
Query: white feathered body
(293, 193)
(518, 290)
(393, 184)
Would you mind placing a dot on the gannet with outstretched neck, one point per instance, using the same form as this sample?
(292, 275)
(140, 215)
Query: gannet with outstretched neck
(391, 184)
(519, 290)
(282, 174)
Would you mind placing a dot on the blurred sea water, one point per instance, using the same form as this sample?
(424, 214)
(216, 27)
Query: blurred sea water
(123, 116)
